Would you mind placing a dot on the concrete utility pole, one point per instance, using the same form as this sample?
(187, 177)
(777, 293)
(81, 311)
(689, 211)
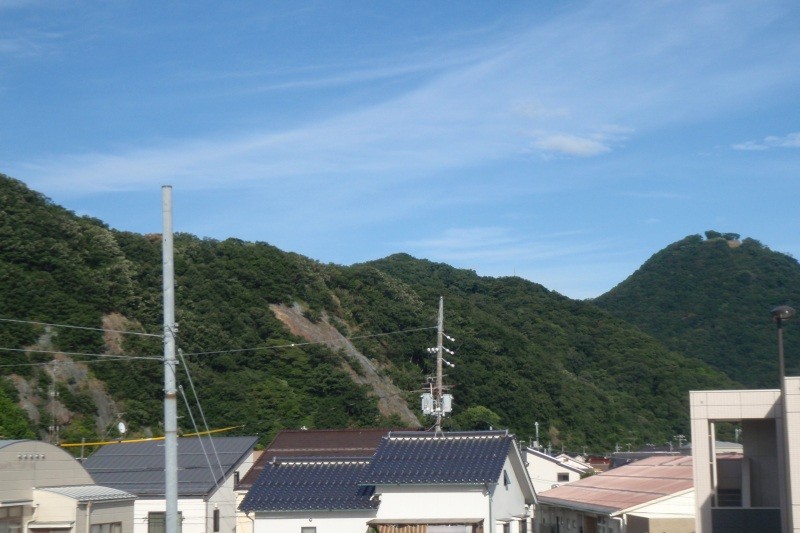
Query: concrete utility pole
(439, 349)
(170, 379)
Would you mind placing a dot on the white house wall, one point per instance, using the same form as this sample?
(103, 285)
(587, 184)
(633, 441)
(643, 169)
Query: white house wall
(192, 514)
(508, 501)
(325, 522)
(680, 505)
(424, 501)
(544, 473)
(458, 501)
(223, 499)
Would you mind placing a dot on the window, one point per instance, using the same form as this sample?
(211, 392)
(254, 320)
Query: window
(506, 528)
(11, 519)
(523, 526)
(111, 527)
(563, 477)
(216, 520)
(506, 479)
(308, 530)
(157, 522)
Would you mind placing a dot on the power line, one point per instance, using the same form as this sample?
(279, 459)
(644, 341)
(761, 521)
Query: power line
(295, 344)
(105, 357)
(79, 327)
(217, 352)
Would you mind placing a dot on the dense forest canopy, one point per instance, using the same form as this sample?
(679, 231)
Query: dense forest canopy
(711, 300)
(523, 354)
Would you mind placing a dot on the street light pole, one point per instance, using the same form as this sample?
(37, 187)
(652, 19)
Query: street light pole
(781, 313)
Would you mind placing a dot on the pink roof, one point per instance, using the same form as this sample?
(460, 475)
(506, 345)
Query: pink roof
(628, 486)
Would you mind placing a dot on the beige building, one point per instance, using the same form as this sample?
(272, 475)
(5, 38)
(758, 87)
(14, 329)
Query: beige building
(43, 489)
(651, 495)
(753, 493)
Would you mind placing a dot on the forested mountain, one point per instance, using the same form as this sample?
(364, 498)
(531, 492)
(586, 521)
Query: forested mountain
(523, 354)
(711, 300)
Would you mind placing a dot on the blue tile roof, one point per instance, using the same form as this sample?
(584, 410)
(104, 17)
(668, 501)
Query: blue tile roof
(138, 467)
(310, 484)
(444, 458)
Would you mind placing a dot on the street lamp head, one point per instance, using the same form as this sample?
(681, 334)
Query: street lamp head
(783, 312)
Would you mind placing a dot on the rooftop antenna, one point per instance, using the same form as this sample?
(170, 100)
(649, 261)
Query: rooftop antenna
(435, 402)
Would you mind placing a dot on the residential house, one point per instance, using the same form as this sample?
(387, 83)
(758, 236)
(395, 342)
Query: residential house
(43, 489)
(416, 482)
(761, 490)
(547, 472)
(466, 482)
(306, 495)
(208, 468)
(579, 462)
(653, 494)
(304, 443)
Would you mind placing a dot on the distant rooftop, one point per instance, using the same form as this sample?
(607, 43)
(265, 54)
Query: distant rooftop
(439, 458)
(627, 486)
(315, 443)
(310, 484)
(91, 493)
(138, 467)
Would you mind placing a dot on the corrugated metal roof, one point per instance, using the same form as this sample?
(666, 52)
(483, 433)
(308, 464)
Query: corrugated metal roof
(310, 484)
(86, 493)
(138, 467)
(443, 458)
(625, 487)
(315, 443)
(4, 443)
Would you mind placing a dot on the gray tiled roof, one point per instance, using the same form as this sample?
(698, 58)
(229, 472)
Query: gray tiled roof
(444, 458)
(138, 467)
(86, 493)
(310, 484)
(360, 442)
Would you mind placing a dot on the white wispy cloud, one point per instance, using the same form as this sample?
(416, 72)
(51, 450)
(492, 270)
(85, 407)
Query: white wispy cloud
(571, 145)
(792, 140)
(565, 80)
(499, 245)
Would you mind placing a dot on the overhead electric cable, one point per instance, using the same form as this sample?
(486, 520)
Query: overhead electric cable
(79, 327)
(295, 344)
(200, 439)
(110, 356)
(202, 413)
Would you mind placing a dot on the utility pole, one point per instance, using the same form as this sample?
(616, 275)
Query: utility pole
(170, 379)
(439, 349)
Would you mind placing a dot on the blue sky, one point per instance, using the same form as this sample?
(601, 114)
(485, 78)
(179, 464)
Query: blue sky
(564, 142)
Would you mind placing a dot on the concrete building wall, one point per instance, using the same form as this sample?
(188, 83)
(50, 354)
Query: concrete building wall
(551, 519)
(54, 507)
(793, 437)
(27, 464)
(764, 465)
(107, 513)
(663, 524)
(760, 441)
